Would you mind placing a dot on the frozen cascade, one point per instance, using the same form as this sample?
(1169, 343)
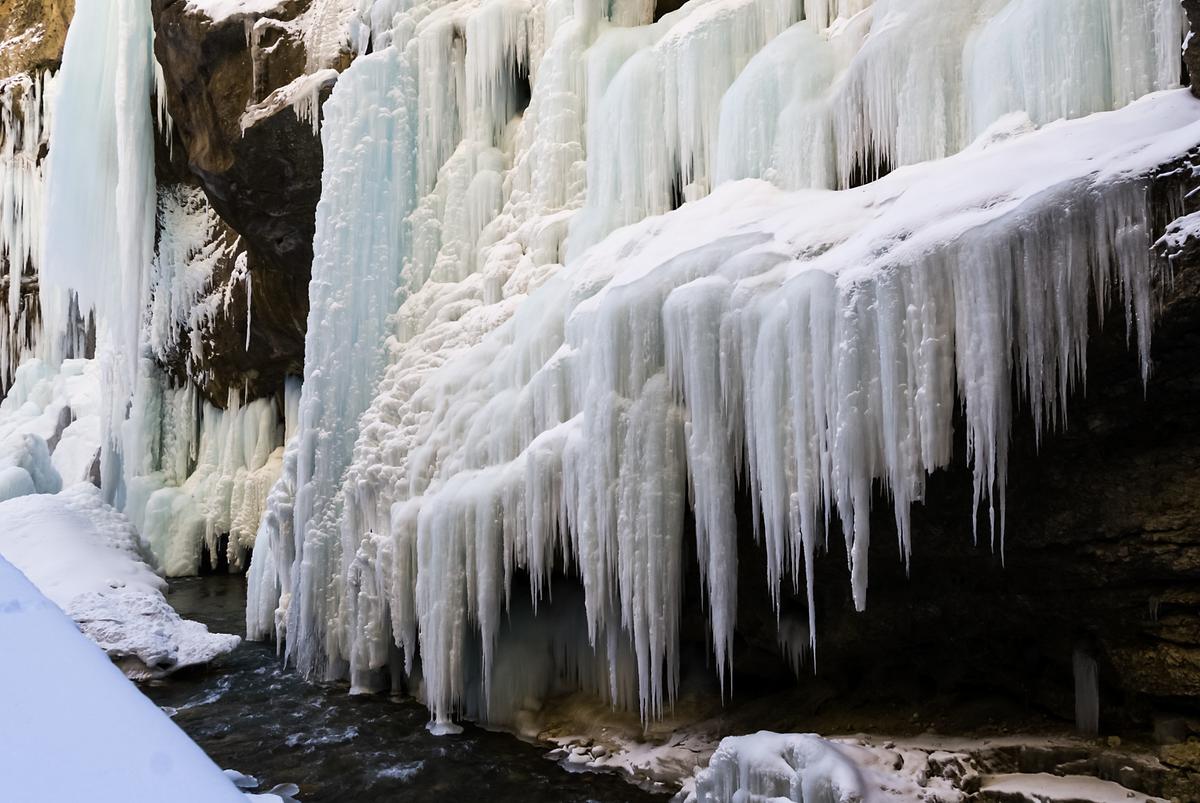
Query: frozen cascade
(24, 117)
(186, 471)
(824, 337)
(100, 198)
(424, 221)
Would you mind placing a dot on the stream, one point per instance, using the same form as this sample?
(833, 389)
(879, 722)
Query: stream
(252, 714)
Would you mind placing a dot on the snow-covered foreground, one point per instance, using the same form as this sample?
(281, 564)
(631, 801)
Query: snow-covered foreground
(88, 559)
(74, 728)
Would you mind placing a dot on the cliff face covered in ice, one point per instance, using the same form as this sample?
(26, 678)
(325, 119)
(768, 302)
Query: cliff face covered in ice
(786, 333)
(661, 309)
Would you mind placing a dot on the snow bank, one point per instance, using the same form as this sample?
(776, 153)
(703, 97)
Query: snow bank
(87, 558)
(74, 728)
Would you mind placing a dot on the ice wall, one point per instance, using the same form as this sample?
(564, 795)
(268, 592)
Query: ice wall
(501, 384)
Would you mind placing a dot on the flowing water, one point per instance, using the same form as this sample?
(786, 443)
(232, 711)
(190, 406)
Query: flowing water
(252, 714)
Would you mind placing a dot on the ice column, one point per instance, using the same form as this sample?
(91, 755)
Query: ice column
(100, 198)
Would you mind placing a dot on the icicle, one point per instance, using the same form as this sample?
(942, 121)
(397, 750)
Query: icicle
(1087, 693)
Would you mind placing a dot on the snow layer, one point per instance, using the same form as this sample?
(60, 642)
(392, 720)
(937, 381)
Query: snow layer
(75, 729)
(811, 345)
(87, 558)
(1050, 788)
(221, 10)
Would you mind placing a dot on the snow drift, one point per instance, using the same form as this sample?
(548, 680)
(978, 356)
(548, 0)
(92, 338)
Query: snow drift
(87, 558)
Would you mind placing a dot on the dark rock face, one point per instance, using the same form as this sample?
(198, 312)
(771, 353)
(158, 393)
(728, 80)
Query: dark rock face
(264, 181)
(1191, 53)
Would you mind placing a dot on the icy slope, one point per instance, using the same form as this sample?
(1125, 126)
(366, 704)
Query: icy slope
(557, 395)
(87, 558)
(74, 728)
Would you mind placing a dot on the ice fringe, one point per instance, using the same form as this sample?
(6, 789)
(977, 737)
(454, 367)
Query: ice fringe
(810, 347)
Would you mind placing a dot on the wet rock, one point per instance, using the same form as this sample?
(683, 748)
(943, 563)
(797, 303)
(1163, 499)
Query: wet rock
(1184, 756)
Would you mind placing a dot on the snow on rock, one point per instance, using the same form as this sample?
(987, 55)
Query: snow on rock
(221, 10)
(75, 729)
(772, 766)
(88, 559)
(499, 380)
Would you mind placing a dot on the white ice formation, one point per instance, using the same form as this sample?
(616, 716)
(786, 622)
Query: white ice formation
(112, 243)
(582, 277)
(472, 414)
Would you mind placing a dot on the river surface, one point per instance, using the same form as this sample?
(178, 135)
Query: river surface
(252, 714)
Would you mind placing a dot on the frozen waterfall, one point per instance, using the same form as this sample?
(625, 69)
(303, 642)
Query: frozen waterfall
(585, 279)
(502, 382)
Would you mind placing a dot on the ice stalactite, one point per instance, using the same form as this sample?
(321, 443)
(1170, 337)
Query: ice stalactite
(656, 92)
(24, 118)
(424, 223)
(217, 467)
(518, 418)
(1087, 693)
(145, 263)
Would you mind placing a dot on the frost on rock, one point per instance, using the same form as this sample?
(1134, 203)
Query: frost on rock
(87, 557)
(501, 385)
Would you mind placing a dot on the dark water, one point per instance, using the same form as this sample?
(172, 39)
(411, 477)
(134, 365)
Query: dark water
(251, 714)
